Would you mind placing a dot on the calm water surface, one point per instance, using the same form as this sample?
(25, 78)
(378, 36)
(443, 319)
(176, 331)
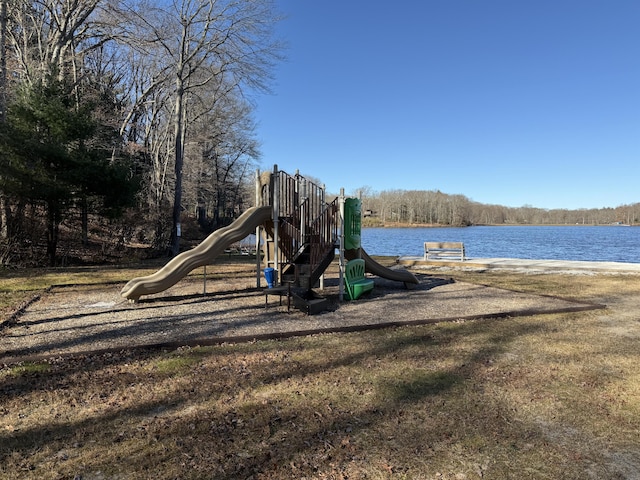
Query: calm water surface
(590, 243)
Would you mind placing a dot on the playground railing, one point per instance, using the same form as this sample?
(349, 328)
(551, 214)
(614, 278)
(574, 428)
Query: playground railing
(318, 238)
(323, 233)
(306, 223)
(294, 190)
(290, 239)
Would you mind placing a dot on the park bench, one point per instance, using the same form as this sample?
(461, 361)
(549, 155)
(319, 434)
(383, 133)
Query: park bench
(444, 250)
(355, 280)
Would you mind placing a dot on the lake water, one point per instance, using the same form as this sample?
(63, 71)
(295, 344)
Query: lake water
(588, 243)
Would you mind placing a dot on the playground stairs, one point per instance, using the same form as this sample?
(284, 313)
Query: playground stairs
(307, 238)
(303, 273)
(309, 302)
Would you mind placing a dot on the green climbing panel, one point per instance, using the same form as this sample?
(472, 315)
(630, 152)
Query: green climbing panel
(352, 223)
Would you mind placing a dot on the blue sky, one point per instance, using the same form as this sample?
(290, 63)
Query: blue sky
(509, 102)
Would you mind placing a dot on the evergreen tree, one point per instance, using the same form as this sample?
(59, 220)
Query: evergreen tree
(57, 155)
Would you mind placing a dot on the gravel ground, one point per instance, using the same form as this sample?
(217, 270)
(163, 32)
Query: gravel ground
(69, 320)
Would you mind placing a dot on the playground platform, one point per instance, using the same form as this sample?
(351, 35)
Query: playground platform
(524, 265)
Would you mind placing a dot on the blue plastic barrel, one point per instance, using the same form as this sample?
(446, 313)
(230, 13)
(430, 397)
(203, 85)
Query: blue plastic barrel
(269, 276)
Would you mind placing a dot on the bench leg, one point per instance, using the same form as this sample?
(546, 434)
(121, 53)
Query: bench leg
(280, 291)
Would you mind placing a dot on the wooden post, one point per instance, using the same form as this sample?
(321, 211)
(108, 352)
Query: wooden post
(258, 203)
(275, 215)
(304, 207)
(323, 204)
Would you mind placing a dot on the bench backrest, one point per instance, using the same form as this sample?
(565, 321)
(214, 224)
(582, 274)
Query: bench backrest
(444, 245)
(444, 250)
(354, 269)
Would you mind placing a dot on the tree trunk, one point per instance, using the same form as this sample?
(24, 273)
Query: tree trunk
(85, 221)
(53, 231)
(179, 144)
(4, 217)
(3, 61)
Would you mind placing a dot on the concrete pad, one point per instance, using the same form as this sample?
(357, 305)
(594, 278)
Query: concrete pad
(525, 264)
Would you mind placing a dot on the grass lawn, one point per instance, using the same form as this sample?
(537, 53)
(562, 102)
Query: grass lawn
(543, 397)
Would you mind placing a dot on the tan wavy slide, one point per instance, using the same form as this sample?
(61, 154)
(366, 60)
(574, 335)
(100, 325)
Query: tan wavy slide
(202, 255)
(371, 266)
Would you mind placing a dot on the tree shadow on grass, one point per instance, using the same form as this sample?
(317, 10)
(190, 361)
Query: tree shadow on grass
(268, 432)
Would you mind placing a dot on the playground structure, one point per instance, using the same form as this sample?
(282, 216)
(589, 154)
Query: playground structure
(298, 231)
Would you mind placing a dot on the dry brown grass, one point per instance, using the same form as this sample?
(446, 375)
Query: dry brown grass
(546, 396)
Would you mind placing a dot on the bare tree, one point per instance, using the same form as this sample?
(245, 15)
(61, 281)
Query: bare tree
(228, 152)
(3, 60)
(202, 42)
(4, 230)
(46, 34)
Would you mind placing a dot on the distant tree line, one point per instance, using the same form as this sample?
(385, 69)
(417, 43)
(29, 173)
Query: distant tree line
(417, 207)
(123, 119)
